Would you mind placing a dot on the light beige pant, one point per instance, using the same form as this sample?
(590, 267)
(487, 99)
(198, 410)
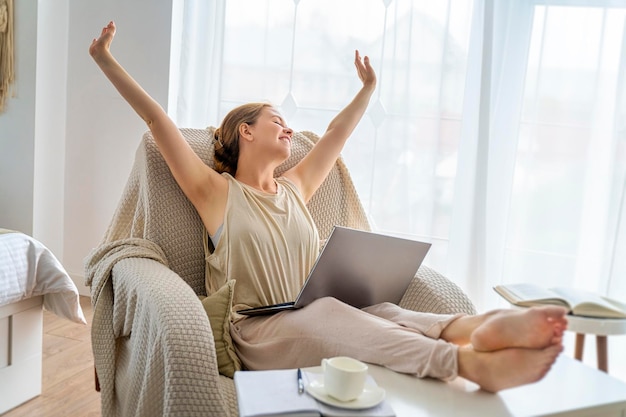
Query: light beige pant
(385, 334)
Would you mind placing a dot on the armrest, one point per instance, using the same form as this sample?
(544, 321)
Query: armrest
(432, 292)
(165, 343)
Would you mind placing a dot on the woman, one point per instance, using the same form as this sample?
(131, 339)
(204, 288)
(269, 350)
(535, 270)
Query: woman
(265, 238)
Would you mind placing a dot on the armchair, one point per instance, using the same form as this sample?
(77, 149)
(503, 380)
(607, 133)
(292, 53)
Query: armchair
(153, 346)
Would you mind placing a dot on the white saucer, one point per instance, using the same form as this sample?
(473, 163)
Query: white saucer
(372, 395)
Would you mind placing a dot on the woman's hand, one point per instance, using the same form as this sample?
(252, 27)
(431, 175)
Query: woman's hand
(101, 45)
(364, 70)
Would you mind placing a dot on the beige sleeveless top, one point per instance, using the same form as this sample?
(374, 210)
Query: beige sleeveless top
(269, 243)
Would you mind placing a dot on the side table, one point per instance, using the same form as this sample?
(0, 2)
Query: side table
(599, 327)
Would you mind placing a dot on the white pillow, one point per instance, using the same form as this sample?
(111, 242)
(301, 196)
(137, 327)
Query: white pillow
(28, 269)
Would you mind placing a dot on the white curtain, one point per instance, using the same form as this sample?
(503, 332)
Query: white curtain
(560, 205)
(497, 131)
(196, 60)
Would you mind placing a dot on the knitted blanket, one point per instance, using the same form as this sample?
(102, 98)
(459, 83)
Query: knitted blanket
(137, 291)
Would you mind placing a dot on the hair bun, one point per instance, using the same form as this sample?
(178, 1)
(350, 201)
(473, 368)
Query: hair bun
(216, 137)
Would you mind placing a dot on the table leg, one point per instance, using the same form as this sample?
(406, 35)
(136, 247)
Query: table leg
(580, 345)
(603, 357)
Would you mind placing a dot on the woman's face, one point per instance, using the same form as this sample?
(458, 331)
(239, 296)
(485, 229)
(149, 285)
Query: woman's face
(271, 129)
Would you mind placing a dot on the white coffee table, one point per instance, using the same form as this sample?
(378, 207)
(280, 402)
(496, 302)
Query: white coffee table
(570, 389)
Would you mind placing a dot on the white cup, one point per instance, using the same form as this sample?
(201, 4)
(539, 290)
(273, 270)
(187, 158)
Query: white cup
(344, 377)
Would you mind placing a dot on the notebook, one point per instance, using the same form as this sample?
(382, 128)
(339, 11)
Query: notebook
(273, 393)
(357, 267)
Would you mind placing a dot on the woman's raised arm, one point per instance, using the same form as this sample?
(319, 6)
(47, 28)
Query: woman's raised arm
(202, 185)
(311, 171)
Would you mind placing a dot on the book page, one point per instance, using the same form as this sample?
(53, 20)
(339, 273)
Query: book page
(525, 294)
(272, 393)
(586, 303)
(616, 304)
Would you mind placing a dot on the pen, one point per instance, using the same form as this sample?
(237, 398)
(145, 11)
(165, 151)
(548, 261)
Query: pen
(300, 382)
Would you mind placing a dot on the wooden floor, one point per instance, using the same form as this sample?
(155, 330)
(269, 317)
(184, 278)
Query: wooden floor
(68, 381)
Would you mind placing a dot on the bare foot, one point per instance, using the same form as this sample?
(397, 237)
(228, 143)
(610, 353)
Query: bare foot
(533, 328)
(506, 368)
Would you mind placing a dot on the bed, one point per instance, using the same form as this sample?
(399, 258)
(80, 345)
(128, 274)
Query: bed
(31, 279)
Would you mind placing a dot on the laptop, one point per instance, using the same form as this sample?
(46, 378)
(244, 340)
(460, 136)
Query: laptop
(359, 268)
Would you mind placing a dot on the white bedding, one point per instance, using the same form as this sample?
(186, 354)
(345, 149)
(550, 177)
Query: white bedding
(28, 269)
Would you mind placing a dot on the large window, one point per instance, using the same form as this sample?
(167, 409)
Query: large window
(568, 182)
(497, 131)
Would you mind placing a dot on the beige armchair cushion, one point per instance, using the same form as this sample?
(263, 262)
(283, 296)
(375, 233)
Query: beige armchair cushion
(217, 307)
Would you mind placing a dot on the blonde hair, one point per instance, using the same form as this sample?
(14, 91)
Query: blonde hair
(227, 135)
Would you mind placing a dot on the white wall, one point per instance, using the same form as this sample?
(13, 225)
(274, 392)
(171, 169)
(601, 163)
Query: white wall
(67, 141)
(102, 130)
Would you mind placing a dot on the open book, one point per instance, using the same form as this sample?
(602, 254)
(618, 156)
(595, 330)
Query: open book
(275, 393)
(579, 302)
